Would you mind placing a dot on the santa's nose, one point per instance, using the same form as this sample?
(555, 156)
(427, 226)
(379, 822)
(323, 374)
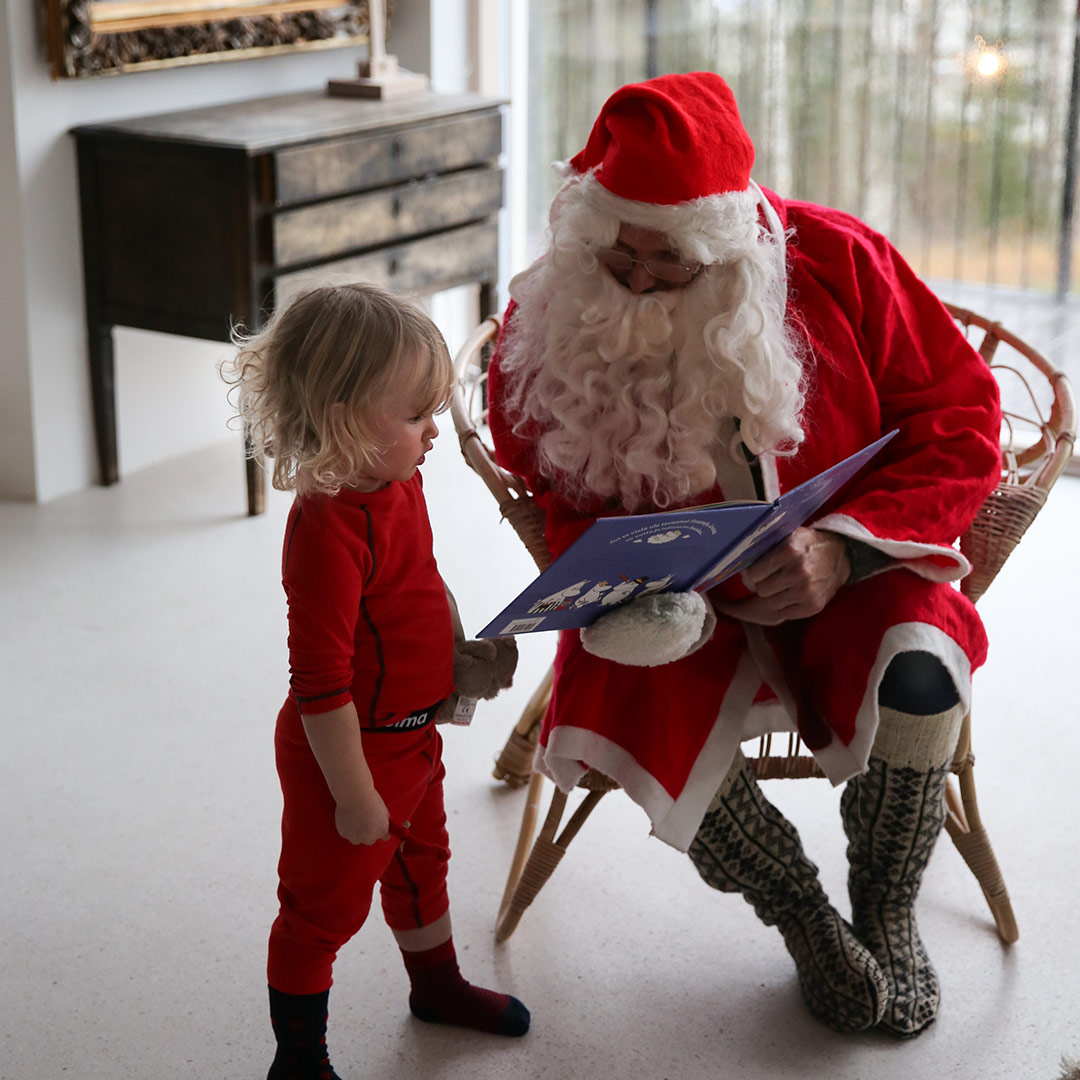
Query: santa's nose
(639, 279)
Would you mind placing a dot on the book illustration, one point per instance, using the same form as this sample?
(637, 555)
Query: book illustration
(602, 592)
(644, 529)
(593, 594)
(619, 558)
(622, 592)
(609, 594)
(657, 586)
(558, 601)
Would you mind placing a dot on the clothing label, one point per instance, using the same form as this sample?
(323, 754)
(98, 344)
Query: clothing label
(463, 714)
(412, 722)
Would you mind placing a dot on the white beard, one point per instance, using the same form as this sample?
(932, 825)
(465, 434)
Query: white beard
(630, 390)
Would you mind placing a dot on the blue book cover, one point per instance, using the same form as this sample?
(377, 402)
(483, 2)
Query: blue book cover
(619, 558)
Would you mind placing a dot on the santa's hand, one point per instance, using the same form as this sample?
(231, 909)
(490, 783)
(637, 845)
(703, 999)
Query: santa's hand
(794, 580)
(652, 630)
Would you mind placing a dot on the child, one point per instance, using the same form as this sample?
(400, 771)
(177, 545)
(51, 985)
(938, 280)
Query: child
(340, 391)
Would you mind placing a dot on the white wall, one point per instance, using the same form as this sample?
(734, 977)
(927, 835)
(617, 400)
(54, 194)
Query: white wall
(169, 398)
(464, 45)
(16, 430)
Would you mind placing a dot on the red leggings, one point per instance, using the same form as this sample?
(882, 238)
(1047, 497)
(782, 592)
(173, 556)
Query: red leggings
(326, 882)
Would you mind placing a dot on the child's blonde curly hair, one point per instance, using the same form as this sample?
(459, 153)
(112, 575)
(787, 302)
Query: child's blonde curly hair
(309, 386)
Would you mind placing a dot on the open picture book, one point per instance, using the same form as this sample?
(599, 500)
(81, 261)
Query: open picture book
(619, 558)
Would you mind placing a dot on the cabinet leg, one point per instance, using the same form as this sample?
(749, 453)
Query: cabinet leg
(488, 299)
(256, 480)
(103, 396)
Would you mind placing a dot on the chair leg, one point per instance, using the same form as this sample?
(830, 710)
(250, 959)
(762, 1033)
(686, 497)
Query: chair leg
(525, 838)
(515, 760)
(528, 877)
(964, 825)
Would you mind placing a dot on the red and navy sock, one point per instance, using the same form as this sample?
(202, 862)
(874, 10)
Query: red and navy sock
(441, 996)
(299, 1022)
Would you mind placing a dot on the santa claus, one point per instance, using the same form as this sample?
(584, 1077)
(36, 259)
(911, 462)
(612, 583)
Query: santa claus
(688, 337)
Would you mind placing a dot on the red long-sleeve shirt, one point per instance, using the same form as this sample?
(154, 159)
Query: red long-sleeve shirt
(369, 620)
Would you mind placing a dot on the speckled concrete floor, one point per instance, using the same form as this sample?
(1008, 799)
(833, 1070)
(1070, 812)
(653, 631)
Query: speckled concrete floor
(143, 661)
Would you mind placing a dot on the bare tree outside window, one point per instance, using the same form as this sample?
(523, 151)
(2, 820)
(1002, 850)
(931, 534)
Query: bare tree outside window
(943, 123)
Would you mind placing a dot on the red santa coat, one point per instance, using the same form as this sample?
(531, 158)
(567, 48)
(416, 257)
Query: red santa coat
(884, 354)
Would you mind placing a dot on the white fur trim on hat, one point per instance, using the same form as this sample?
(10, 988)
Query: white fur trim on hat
(707, 230)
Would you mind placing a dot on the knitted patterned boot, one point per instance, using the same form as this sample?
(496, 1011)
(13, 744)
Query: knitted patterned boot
(745, 845)
(892, 816)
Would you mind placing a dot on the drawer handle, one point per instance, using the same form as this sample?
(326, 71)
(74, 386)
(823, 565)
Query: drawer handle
(392, 265)
(396, 147)
(395, 206)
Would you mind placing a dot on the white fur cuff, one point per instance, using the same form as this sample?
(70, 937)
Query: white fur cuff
(651, 630)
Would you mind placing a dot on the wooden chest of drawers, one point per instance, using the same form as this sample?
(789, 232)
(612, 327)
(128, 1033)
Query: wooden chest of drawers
(196, 221)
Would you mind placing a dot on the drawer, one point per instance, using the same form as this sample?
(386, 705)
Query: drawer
(339, 166)
(437, 262)
(332, 228)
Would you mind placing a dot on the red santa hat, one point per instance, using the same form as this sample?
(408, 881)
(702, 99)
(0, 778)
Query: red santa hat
(669, 140)
(671, 154)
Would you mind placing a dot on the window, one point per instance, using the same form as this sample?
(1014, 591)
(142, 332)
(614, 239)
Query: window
(943, 123)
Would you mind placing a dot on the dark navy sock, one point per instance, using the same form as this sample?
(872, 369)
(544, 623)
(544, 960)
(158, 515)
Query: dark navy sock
(299, 1022)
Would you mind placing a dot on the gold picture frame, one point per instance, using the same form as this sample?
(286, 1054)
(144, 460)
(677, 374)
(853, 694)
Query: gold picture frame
(110, 37)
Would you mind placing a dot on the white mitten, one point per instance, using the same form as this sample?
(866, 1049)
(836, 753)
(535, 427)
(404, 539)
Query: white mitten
(652, 630)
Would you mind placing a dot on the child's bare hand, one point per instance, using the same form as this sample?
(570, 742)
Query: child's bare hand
(364, 821)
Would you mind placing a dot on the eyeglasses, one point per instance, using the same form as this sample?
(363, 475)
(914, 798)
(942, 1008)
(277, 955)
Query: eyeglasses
(622, 262)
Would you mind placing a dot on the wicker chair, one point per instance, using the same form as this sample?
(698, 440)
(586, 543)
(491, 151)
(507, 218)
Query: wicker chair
(1038, 433)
